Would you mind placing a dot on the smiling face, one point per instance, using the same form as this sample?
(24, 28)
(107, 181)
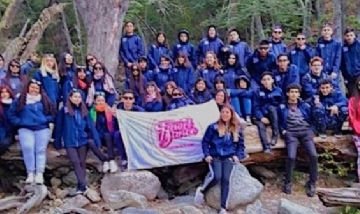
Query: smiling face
(176, 94)
(68, 59)
(100, 100)
(14, 67)
(326, 89)
(200, 86)
(225, 114)
(4, 94)
(76, 98)
(34, 89)
(220, 97)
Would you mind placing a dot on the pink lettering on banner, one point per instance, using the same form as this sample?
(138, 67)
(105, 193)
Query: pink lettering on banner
(169, 130)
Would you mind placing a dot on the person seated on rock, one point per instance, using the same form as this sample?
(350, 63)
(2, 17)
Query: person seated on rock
(311, 81)
(266, 100)
(329, 109)
(166, 97)
(105, 124)
(295, 126)
(7, 131)
(152, 101)
(223, 145)
(127, 104)
(354, 119)
(178, 100)
(201, 93)
(32, 113)
(76, 129)
(136, 82)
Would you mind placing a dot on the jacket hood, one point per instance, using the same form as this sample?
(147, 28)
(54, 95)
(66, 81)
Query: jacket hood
(183, 31)
(243, 77)
(219, 79)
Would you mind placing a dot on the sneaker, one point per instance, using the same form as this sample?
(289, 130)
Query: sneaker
(287, 188)
(39, 178)
(273, 140)
(338, 135)
(106, 167)
(30, 178)
(310, 189)
(113, 166)
(199, 197)
(223, 211)
(124, 165)
(267, 151)
(322, 135)
(248, 120)
(74, 192)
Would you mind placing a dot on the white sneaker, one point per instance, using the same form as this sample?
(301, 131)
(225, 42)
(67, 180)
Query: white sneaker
(223, 211)
(30, 178)
(39, 178)
(106, 167)
(113, 166)
(199, 197)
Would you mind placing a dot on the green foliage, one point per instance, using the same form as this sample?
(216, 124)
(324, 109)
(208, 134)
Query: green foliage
(329, 165)
(350, 210)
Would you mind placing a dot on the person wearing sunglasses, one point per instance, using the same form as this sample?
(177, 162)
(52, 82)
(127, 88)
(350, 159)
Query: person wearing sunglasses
(350, 63)
(285, 73)
(127, 104)
(32, 113)
(301, 54)
(90, 61)
(102, 82)
(137, 83)
(329, 49)
(178, 100)
(277, 46)
(13, 78)
(259, 62)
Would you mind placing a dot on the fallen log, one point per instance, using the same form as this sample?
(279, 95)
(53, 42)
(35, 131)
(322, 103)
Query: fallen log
(333, 197)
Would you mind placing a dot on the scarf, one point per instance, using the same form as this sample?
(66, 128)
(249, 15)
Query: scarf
(54, 73)
(82, 84)
(31, 99)
(108, 115)
(109, 86)
(7, 101)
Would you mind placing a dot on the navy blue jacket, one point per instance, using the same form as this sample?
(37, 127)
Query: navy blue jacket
(6, 128)
(330, 52)
(99, 87)
(135, 108)
(27, 66)
(74, 130)
(277, 48)
(200, 97)
(301, 58)
(102, 124)
(184, 78)
(229, 76)
(50, 85)
(154, 106)
(335, 98)
(283, 79)
(215, 146)
(209, 74)
(186, 48)
(283, 112)
(263, 98)
(64, 80)
(154, 54)
(68, 86)
(178, 103)
(209, 44)
(256, 66)
(131, 49)
(136, 89)
(243, 51)
(31, 117)
(162, 76)
(350, 63)
(149, 74)
(310, 84)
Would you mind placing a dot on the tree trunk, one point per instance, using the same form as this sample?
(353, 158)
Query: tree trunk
(9, 16)
(259, 27)
(252, 32)
(307, 18)
(67, 34)
(78, 31)
(103, 21)
(337, 19)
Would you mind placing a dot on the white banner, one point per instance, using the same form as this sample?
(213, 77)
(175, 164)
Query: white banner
(157, 139)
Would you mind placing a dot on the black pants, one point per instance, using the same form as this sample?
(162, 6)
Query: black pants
(306, 139)
(274, 122)
(96, 150)
(109, 143)
(5, 144)
(77, 156)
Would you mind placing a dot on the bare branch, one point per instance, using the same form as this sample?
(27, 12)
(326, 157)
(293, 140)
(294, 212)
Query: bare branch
(23, 30)
(10, 13)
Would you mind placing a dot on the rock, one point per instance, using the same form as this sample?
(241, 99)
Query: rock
(256, 208)
(120, 198)
(132, 210)
(289, 207)
(78, 201)
(57, 202)
(187, 199)
(61, 193)
(162, 195)
(244, 189)
(188, 172)
(141, 182)
(55, 182)
(71, 180)
(93, 196)
(190, 210)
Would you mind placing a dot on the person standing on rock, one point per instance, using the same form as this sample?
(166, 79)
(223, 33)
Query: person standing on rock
(75, 126)
(223, 146)
(32, 113)
(295, 126)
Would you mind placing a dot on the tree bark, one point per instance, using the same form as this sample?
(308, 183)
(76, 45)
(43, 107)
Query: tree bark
(103, 21)
(338, 25)
(78, 30)
(10, 13)
(67, 34)
(259, 27)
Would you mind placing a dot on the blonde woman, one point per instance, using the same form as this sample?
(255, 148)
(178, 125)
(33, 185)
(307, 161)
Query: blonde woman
(48, 76)
(223, 145)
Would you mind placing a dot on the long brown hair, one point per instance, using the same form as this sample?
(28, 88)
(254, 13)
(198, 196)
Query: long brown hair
(69, 105)
(8, 89)
(158, 95)
(186, 64)
(139, 79)
(49, 108)
(216, 63)
(234, 125)
(167, 97)
(23, 78)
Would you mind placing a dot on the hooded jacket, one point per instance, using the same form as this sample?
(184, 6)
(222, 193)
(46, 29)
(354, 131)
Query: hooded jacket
(330, 52)
(256, 66)
(155, 51)
(209, 74)
(301, 58)
(209, 44)
(185, 47)
(242, 50)
(263, 98)
(310, 84)
(163, 75)
(283, 112)
(277, 48)
(131, 48)
(241, 92)
(290, 76)
(350, 63)
(184, 78)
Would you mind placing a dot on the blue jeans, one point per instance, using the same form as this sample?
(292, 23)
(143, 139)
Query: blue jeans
(236, 104)
(245, 106)
(33, 146)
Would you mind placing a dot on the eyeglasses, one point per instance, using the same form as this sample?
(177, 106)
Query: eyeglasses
(98, 68)
(35, 81)
(99, 93)
(81, 67)
(15, 65)
(277, 32)
(300, 38)
(263, 48)
(127, 98)
(90, 59)
(176, 94)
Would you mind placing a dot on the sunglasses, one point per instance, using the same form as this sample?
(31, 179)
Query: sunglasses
(75, 90)
(263, 48)
(98, 68)
(15, 65)
(127, 98)
(176, 94)
(35, 81)
(80, 67)
(99, 93)
(300, 38)
(90, 59)
(277, 32)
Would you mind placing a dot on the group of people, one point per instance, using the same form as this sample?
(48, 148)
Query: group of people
(296, 92)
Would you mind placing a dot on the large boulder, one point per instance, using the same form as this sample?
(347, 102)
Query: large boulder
(141, 182)
(289, 207)
(121, 199)
(244, 189)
